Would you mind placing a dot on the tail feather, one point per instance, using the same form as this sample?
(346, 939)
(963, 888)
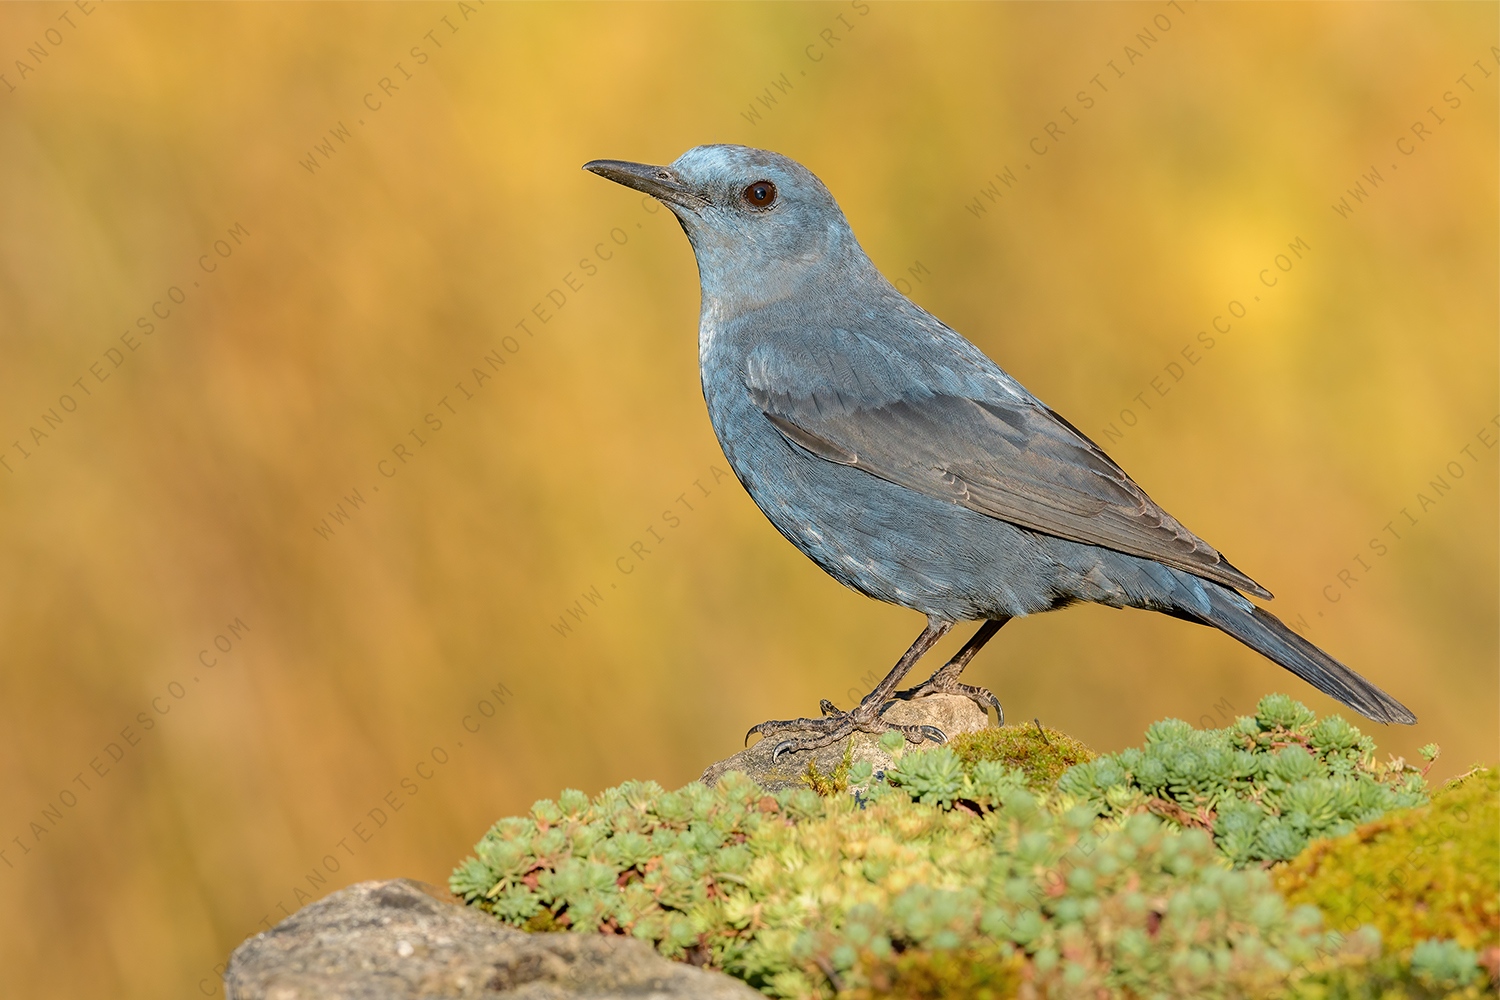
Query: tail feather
(1267, 635)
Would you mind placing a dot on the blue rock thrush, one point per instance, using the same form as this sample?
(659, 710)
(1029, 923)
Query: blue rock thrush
(905, 463)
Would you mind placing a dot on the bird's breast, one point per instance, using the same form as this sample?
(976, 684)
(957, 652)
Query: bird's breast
(711, 322)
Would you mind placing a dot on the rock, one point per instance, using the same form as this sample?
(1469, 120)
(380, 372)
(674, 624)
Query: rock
(953, 714)
(404, 940)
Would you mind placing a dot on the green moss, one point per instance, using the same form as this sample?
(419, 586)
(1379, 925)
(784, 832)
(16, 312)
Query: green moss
(974, 974)
(1425, 873)
(835, 782)
(543, 922)
(1435, 970)
(1042, 755)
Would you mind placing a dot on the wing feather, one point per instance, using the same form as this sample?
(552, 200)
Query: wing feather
(1008, 458)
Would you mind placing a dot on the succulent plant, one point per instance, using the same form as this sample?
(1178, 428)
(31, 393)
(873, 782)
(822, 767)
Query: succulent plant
(1265, 787)
(958, 872)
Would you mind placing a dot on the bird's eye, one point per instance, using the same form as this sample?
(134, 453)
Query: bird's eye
(760, 194)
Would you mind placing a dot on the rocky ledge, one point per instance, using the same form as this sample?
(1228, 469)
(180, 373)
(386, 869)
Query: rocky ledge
(952, 714)
(405, 940)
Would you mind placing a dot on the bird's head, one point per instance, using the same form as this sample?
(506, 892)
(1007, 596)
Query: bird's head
(760, 224)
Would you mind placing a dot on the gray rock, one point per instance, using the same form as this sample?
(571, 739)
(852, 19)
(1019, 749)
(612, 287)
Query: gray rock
(404, 940)
(952, 714)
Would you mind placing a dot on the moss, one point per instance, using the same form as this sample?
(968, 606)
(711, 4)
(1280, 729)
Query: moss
(835, 782)
(1445, 972)
(1042, 755)
(1424, 873)
(543, 922)
(974, 974)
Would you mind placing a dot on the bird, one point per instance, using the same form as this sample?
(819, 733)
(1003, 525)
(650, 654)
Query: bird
(906, 463)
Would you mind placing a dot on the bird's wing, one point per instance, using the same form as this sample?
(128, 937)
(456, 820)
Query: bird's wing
(1004, 454)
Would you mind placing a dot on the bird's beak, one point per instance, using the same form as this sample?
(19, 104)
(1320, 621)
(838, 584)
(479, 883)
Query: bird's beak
(661, 183)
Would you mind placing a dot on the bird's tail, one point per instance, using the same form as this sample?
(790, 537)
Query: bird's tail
(1267, 635)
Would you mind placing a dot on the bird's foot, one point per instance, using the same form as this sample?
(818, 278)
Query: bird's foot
(981, 696)
(836, 725)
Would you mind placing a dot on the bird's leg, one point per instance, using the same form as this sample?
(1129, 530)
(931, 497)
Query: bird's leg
(945, 680)
(864, 717)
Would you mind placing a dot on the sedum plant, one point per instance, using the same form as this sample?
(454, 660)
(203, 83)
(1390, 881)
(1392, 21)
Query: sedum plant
(800, 895)
(1265, 787)
(957, 872)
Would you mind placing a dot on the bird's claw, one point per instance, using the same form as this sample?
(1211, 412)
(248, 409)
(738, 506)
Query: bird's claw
(981, 696)
(837, 725)
(932, 733)
(783, 747)
(827, 707)
(820, 732)
(773, 726)
(999, 709)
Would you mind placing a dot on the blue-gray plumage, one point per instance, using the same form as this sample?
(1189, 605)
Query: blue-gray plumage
(903, 461)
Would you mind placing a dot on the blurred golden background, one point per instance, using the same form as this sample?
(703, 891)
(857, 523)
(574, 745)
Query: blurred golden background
(268, 629)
